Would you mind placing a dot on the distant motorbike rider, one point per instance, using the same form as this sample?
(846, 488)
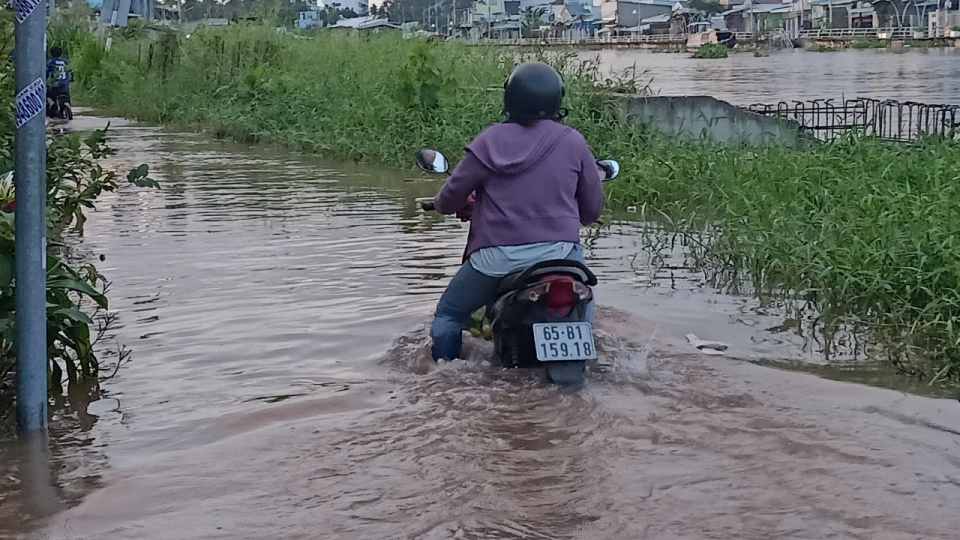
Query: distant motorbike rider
(527, 184)
(58, 78)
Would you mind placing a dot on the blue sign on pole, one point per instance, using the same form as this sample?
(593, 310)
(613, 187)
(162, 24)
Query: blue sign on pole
(24, 8)
(30, 102)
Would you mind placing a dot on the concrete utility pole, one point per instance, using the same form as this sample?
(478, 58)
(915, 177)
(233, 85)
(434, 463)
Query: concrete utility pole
(31, 230)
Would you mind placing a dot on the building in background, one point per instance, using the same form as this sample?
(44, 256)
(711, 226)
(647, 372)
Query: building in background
(117, 12)
(629, 14)
(309, 19)
(574, 20)
(370, 23)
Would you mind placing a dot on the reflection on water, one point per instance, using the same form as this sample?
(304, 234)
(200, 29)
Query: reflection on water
(921, 75)
(280, 387)
(43, 476)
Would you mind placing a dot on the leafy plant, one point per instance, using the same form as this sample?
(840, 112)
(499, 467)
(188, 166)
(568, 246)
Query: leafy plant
(421, 79)
(479, 325)
(75, 179)
(711, 50)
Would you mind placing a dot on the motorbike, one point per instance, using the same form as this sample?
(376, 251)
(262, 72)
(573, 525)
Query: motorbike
(539, 314)
(60, 108)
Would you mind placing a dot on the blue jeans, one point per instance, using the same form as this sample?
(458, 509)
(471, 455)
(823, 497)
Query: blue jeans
(469, 291)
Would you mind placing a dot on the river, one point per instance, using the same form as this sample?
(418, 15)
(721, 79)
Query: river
(279, 386)
(926, 75)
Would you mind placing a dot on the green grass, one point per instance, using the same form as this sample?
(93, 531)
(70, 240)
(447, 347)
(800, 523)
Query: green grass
(859, 232)
(923, 43)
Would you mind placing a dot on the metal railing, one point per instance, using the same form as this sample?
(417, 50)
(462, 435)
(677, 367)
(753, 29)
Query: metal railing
(613, 40)
(874, 33)
(889, 120)
(607, 40)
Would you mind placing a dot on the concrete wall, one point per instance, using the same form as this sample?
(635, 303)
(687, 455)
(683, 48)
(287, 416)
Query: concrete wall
(704, 116)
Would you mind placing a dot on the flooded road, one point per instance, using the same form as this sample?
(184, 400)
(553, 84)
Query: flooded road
(280, 387)
(927, 76)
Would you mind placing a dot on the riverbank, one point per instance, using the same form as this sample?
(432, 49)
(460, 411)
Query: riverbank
(834, 232)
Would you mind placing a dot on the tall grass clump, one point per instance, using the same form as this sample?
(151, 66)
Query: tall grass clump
(355, 99)
(857, 232)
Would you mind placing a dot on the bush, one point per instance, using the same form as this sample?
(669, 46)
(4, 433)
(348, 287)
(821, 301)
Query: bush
(711, 50)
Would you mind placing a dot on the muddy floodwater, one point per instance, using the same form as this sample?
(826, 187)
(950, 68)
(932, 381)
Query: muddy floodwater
(279, 386)
(925, 75)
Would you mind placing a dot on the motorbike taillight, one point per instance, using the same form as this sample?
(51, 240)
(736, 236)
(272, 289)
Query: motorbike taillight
(560, 296)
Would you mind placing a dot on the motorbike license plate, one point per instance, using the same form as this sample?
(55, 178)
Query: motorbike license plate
(557, 342)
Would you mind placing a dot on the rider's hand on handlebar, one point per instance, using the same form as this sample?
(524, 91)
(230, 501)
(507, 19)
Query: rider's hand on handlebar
(466, 212)
(604, 172)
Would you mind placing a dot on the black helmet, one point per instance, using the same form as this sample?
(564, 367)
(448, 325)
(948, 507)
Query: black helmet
(533, 91)
(56, 51)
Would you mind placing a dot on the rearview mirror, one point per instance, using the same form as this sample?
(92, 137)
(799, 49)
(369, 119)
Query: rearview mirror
(432, 161)
(610, 167)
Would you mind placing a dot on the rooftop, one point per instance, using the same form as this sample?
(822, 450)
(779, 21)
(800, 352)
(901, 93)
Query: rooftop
(767, 8)
(657, 19)
(363, 23)
(578, 10)
(667, 3)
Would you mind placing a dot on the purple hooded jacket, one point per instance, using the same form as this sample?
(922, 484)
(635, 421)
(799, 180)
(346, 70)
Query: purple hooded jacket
(532, 184)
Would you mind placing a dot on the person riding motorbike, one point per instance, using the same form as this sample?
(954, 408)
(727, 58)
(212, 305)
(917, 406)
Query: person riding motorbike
(58, 78)
(527, 184)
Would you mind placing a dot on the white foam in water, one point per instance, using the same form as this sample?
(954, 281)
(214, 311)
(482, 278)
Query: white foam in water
(624, 346)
